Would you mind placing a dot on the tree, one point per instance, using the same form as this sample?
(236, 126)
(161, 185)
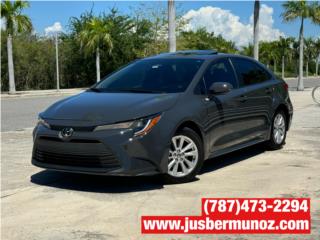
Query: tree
(34, 66)
(256, 12)
(201, 39)
(270, 52)
(247, 50)
(172, 26)
(301, 10)
(94, 36)
(284, 45)
(309, 52)
(132, 38)
(317, 47)
(15, 22)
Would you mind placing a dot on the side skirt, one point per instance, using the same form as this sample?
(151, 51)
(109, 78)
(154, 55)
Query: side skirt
(235, 148)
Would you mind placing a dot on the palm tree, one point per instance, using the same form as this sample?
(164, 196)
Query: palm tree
(256, 29)
(266, 53)
(309, 52)
(172, 26)
(295, 56)
(274, 54)
(301, 10)
(284, 45)
(15, 22)
(94, 36)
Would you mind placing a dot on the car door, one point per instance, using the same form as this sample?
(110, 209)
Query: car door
(223, 125)
(256, 103)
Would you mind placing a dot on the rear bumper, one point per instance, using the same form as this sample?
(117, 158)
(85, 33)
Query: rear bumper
(101, 153)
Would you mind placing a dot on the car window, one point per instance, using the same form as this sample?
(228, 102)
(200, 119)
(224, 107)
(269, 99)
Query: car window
(152, 75)
(220, 71)
(249, 72)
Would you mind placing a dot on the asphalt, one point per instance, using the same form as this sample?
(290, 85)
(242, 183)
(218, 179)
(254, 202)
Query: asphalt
(40, 204)
(308, 82)
(22, 112)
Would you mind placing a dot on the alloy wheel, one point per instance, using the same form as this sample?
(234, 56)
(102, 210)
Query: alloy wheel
(279, 128)
(183, 156)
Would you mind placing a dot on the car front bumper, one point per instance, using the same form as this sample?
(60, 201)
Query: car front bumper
(108, 152)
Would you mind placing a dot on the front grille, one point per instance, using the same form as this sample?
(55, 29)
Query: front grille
(76, 140)
(93, 161)
(78, 129)
(81, 154)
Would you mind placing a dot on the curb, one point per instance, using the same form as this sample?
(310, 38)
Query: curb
(20, 94)
(304, 78)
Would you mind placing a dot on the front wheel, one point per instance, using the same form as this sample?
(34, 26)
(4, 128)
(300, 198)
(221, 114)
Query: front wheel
(185, 157)
(278, 131)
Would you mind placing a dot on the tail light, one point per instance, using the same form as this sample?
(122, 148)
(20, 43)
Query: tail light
(286, 86)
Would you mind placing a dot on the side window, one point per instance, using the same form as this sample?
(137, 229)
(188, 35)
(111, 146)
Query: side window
(220, 71)
(249, 72)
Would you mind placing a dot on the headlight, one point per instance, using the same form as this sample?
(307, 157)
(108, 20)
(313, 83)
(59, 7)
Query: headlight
(140, 127)
(42, 122)
(124, 125)
(143, 126)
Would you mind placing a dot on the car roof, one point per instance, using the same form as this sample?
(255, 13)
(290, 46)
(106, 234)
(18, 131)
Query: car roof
(195, 54)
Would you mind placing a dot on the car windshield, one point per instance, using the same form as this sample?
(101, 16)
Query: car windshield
(152, 76)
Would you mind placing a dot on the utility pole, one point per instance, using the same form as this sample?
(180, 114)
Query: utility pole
(57, 60)
(301, 45)
(256, 13)
(172, 26)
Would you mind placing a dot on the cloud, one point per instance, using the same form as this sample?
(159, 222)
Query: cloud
(56, 27)
(222, 21)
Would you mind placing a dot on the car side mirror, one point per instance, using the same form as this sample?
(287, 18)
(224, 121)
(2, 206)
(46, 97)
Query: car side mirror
(220, 88)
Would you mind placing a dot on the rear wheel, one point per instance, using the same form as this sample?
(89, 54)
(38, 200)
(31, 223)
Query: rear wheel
(278, 131)
(185, 157)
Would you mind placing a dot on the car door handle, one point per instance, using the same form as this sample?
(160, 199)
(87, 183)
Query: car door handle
(243, 98)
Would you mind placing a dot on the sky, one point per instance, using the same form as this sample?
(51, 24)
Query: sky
(231, 19)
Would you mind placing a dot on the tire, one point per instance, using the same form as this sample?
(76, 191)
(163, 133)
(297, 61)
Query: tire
(278, 131)
(185, 161)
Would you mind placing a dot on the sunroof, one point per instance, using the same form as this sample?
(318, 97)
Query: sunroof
(196, 52)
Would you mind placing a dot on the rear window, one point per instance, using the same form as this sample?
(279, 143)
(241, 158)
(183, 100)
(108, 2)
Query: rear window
(152, 75)
(249, 72)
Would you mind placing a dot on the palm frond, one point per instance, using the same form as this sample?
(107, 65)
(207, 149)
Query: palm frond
(315, 12)
(14, 20)
(292, 11)
(96, 34)
(23, 23)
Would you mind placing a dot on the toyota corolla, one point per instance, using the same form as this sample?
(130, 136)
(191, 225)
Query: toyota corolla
(165, 114)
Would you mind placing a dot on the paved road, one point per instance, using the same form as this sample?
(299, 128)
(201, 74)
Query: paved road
(308, 83)
(40, 204)
(22, 112)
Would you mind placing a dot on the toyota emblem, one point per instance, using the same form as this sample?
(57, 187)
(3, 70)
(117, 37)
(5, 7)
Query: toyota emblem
(66, 133)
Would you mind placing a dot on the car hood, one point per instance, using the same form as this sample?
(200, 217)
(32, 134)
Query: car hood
(104, 108)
